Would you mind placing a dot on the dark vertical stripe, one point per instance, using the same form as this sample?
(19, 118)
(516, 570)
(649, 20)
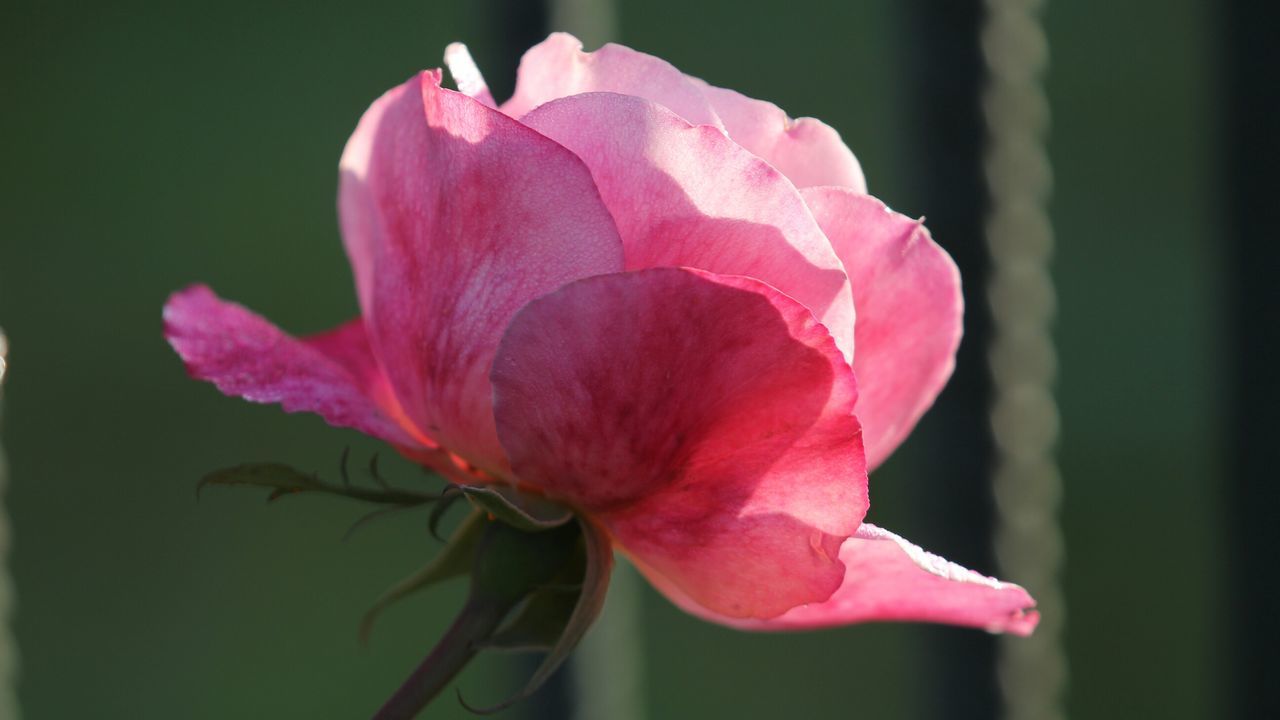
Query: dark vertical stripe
(517, 25)
(943, 72)
(1252, 220)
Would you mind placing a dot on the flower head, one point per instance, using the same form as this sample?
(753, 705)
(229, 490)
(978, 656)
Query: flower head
(634, 293)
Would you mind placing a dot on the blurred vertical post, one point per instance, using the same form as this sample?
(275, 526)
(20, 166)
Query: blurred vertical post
(604, 677)
(943, 72)
(8, 644)
(1250, 218)
(516, 25)
(608, 668)
(594, 22)
(1024, 416)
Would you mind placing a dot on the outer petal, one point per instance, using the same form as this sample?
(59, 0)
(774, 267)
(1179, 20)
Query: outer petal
(889, 578)
(557, 67)
(333, 374)
(455, 216)
(806, 150)
(706, 420)
(689, 196)
(910, 311)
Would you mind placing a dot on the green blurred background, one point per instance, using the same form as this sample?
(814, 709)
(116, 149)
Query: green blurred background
(147, 145)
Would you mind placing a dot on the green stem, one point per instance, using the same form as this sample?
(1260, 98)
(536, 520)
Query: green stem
(477, 621)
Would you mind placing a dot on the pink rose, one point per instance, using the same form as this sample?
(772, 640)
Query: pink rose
(635, 293)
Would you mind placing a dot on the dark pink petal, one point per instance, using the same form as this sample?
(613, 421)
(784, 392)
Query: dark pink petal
(557, 67)
(910, 311)
(333, 374)
(806, 150)
(889, 578)
(705, 419)
(689, 196)
(455, 216)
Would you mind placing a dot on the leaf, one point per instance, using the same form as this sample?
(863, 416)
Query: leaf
(285, 480)
(508, 565)
(523, 511)
(538, 624)
(595, 585)
(452, 560)
(281, 478)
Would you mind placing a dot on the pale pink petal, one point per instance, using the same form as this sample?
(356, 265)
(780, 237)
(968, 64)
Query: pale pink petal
(557, 67)
(705, 419)
(806, 150)
(467, 74)
(455, 216)
(333, 375)
(689, 196)
(910, 311)
(888, 578)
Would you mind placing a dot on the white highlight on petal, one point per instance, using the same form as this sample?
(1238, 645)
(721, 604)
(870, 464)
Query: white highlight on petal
(466, 74)
(926, 560)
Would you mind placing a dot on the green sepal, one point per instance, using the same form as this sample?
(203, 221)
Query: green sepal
(538, 624)
(511, 563)
(507, 566)
(284, 480)
(456, 558)
(595, 585)
(522, 511)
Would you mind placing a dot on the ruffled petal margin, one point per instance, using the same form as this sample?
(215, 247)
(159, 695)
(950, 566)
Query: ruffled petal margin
(910, 311)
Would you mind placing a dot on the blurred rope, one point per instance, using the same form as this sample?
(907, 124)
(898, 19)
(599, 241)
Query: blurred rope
(1024, 417)
(8, 644)
(608, 667)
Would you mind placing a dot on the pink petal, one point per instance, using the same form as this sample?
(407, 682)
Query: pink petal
(910, 311)
(557, 67)
(705, 419)
(808, 151)
(889, 579)
(333, 374)
(689, 196)
(455, 216)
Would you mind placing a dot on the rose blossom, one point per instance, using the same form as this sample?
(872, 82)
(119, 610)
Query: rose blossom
(635, 293)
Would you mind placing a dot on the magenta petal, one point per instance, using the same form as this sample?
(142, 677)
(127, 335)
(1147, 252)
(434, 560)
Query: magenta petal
(557, 67)
(910, 311)
(806, 150)
(333, 375)
(689, 196)
(455, 216)
(706, 420)
(888, 578)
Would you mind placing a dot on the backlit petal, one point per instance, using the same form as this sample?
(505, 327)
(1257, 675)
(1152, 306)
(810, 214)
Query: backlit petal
(910, 311)
(689, 196)
(333, 374)
(557, 67)
(808, 151)
(706, 420)
(889, 579)
(455, 216)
